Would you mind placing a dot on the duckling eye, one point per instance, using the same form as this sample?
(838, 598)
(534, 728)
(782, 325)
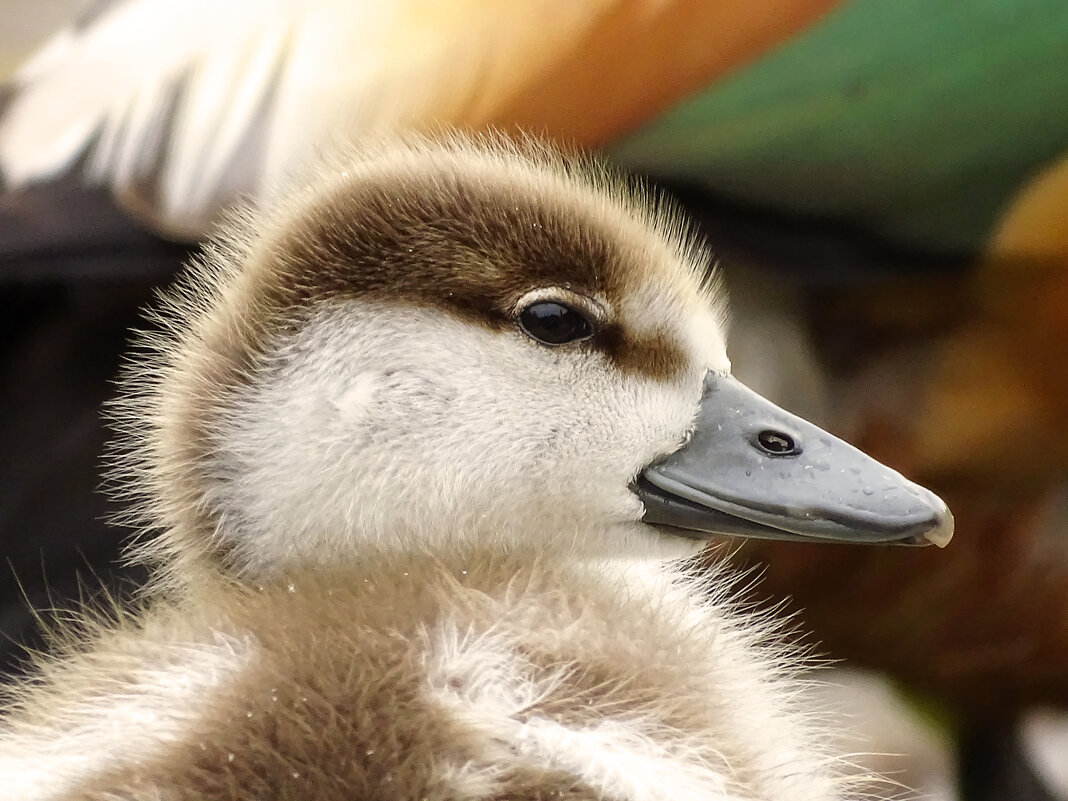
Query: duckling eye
(554, 323)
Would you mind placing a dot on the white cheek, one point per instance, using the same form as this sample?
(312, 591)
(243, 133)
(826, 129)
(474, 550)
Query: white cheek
(354, 403)
(414, 424)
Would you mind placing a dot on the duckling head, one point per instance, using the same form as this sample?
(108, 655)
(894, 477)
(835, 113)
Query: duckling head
(436, 342)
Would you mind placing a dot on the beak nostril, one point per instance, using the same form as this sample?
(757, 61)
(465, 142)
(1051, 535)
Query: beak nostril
(777, 443)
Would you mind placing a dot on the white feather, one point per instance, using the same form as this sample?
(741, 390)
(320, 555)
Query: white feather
(183, 106)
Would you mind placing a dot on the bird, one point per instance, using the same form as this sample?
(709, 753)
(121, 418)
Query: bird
(150, 114)
(421, 448)
(181, 108)
(936, 652)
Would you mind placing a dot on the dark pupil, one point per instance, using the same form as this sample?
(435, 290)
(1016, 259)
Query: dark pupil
(554, 323)
(776, 442)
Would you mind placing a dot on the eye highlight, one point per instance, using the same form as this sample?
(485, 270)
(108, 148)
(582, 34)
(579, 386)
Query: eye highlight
(552, 323)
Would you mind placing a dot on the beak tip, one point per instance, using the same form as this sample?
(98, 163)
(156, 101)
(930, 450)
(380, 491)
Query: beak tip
(941, 532)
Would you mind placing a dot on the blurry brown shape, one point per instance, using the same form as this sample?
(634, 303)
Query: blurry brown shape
(982, 626)
(962, 383)
(641, 57)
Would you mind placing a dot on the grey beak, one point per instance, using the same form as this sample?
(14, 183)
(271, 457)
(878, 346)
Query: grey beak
(754, 470)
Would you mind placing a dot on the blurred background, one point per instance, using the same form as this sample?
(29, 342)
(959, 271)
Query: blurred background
(884, 185)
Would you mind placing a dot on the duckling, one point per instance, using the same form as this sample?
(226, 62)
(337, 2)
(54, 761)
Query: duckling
(423, 443)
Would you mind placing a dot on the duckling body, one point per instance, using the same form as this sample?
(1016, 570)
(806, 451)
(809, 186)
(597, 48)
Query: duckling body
(417, 676)
(421, 444)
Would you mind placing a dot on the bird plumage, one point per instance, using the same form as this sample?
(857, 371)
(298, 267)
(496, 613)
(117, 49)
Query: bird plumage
(183, 107)
(180, 108)
(413, 675)
(397, 546)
